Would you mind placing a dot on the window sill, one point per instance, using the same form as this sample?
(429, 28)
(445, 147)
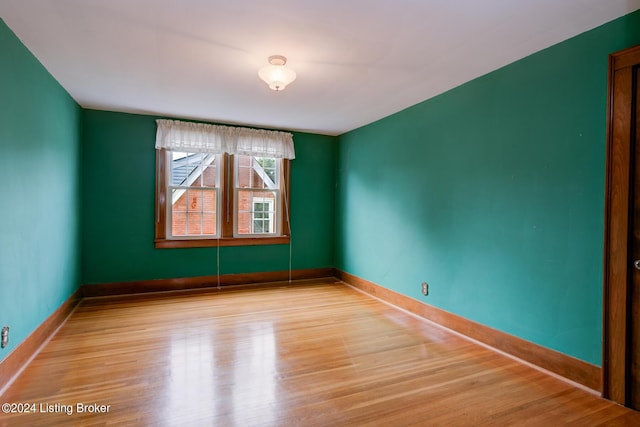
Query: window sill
(224, 241)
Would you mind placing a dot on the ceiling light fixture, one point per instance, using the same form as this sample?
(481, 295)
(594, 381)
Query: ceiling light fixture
(276, 75)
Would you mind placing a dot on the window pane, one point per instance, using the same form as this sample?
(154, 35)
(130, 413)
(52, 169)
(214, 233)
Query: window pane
(196, 179)
(244, 161)
(210, 176)
(179, 224)
(258, 226)
(260, 207)
(209, 207)
(244, 177)
(209, 223)
(244, 223)
(194, 223)
(179, 200)
(179, 167)
(268, 165)
(194, 200)
(209, 201)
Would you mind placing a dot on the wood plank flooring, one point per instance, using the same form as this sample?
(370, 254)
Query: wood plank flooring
(311, 354)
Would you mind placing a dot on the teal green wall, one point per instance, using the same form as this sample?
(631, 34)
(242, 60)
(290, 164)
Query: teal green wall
(118, 207)
(493, 194)
(39, 191)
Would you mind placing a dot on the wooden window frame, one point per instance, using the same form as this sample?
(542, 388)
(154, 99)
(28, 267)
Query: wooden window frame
(226, 213)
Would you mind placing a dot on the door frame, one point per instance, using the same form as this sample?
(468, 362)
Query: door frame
(617, 222)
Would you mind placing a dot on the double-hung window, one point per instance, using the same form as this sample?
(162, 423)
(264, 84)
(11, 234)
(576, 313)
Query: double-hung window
(229, 198)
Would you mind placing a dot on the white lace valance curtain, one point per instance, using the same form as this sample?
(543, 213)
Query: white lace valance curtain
(206, 138)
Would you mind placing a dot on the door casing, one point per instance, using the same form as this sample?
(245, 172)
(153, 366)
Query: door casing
(617, 283)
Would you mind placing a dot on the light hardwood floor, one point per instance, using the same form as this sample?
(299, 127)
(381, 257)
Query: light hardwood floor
(312, 354)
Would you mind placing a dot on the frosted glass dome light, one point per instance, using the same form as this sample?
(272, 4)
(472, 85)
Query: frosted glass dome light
(276, 75)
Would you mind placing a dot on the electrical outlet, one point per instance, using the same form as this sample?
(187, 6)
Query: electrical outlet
(4, 341)
(425, 288)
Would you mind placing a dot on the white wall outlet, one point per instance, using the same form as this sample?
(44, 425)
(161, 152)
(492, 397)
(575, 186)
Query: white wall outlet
(4, 337)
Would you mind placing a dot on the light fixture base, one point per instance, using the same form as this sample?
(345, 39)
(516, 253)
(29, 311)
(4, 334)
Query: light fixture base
(277, 60)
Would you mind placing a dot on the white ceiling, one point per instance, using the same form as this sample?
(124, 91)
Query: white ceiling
(357, 60)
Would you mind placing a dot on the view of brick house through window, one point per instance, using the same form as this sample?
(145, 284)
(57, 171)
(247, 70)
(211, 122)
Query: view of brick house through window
(194, 194)
(257, 194)
(194, 185)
